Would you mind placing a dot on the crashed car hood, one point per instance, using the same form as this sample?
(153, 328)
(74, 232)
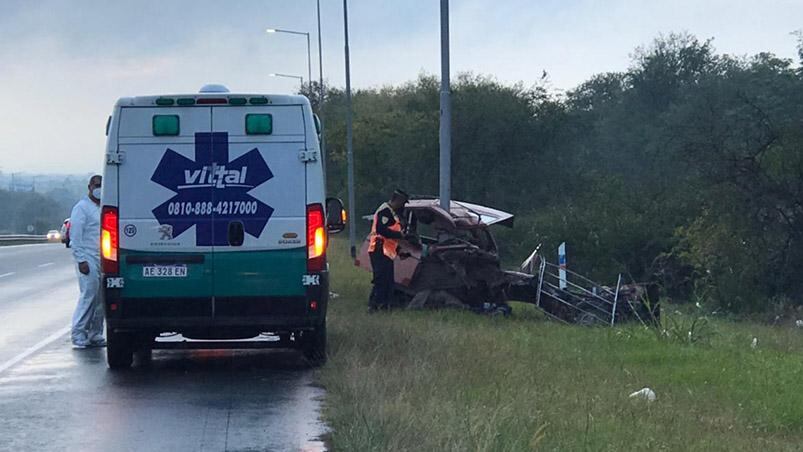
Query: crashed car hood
(487, 215)
(462, 213)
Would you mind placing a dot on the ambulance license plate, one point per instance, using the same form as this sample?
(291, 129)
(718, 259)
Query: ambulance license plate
(164, 271)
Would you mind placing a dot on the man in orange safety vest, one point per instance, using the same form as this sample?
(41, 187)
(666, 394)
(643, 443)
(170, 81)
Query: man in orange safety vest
(386, 231)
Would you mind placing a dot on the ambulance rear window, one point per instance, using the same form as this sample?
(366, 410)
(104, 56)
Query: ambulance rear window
(165, 125)
(258, 124)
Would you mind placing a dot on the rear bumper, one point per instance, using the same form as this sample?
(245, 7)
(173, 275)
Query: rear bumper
(259, 313)
(206, 323)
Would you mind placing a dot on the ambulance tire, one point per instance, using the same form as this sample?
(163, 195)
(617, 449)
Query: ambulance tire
(144, 354)
(119, 350)
(314, 345)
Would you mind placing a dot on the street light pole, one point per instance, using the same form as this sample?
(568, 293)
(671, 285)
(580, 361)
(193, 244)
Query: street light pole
(349, 141)
(297, 77)
(320, 68)
(309, 52)
(320, 84)
(309, 65)
(446, 113)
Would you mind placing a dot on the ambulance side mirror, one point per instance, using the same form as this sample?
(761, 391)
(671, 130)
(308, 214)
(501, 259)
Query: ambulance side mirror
(335, 215)
(317, 125)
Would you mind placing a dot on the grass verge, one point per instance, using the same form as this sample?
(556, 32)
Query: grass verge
(449, 380)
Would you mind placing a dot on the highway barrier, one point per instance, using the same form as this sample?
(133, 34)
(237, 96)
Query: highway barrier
(19, 239)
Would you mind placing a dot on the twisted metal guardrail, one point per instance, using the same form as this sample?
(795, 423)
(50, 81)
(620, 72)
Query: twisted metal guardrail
(578, 299)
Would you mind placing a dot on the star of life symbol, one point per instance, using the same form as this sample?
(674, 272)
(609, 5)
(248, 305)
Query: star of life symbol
(211, 191)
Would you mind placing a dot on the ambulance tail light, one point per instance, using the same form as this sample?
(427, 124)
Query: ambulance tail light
(316, 238)
(109, 240)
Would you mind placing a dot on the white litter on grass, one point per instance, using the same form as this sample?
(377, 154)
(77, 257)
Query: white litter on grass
(799, 323)
(333, 295)
(754, 344)
(645, 393)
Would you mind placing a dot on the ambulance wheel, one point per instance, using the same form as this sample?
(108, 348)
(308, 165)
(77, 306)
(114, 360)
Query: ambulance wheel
(119, 350)
(314, 345)
(143, 349)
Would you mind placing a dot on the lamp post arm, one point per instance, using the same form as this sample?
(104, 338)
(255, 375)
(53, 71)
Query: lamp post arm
(279, 30)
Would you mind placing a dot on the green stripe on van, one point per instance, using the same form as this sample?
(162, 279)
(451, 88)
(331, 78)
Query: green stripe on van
(274, 273)
(198, 282)
(260, 273)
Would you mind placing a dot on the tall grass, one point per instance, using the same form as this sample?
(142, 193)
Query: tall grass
(449, 380)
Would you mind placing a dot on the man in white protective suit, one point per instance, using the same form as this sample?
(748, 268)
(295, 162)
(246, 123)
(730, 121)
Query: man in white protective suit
(87, 320)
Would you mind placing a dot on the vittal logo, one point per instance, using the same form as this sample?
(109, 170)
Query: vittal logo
(212, 191)
(218, 177)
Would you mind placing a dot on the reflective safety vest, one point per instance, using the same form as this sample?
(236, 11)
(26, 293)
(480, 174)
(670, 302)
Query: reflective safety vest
(388, 245)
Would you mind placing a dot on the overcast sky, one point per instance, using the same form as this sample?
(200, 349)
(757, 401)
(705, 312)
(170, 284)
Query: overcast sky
(65, 62)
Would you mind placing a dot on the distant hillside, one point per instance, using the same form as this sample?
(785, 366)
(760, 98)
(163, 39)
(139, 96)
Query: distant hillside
(39, 200)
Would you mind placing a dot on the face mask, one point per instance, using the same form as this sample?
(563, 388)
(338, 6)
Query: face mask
(96, 193)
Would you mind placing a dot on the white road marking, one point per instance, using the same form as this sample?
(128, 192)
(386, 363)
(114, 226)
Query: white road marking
(7, 274)
(47, 264)
(38, 346)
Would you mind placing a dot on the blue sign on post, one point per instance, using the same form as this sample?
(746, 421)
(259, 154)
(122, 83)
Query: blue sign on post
(211, 191)
(562, 265)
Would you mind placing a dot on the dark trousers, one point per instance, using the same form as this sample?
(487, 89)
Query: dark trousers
(383, 281)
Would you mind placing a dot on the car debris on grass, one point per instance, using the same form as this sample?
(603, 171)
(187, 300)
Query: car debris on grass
(455, 263)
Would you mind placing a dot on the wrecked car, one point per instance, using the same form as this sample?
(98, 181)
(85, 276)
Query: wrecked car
(455, 263)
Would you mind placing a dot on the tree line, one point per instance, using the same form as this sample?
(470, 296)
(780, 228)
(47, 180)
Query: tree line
(686, 169)
(23, 209)
(42, 210)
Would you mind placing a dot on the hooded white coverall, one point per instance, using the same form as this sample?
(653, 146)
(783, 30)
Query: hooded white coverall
(87, 320)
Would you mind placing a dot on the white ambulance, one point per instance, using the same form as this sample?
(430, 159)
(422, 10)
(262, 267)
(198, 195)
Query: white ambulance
(214, 223)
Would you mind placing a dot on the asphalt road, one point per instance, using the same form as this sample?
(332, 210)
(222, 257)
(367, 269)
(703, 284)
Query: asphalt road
(55, 398)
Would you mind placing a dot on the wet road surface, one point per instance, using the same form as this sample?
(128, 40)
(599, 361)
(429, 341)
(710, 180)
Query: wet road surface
(56, 398)
(38, 291)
